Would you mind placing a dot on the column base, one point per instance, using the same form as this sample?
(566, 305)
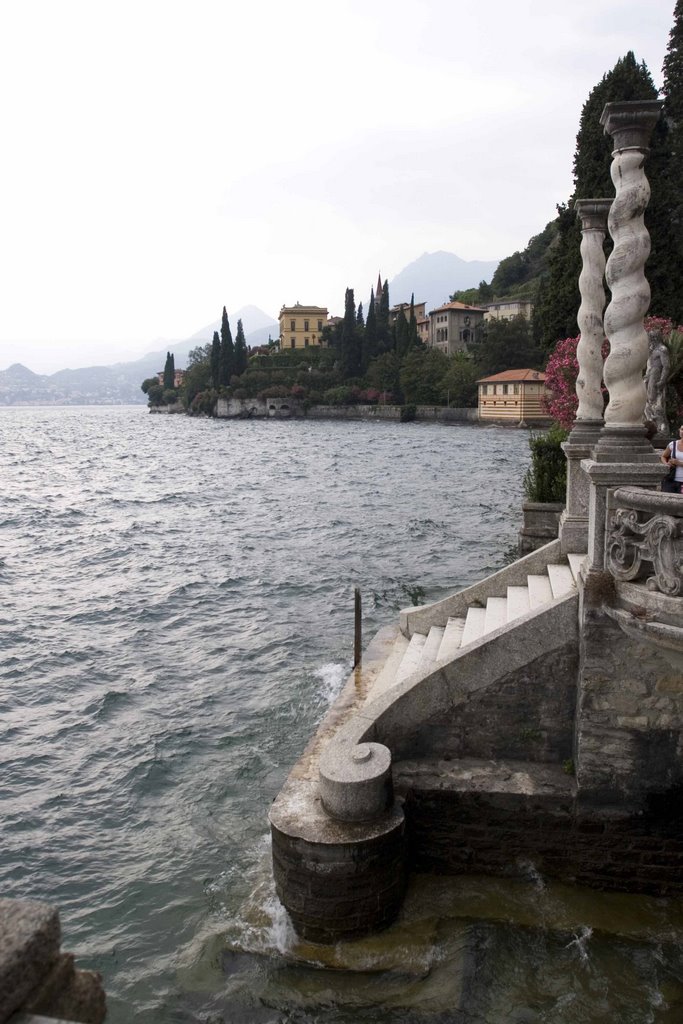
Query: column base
(623, 443)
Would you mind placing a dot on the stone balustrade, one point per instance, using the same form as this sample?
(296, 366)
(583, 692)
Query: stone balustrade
(37, 980)
(645, 538)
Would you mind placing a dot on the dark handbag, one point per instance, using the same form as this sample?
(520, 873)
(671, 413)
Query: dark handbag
(669, 485)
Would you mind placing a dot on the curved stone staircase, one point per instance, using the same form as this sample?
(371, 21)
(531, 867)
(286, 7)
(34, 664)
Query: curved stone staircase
(472, 699)
(433, 646)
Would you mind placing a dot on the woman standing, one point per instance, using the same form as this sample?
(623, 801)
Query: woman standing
(673, 456)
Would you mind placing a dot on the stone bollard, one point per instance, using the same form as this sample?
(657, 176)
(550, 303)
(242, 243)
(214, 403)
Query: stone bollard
(35, 977)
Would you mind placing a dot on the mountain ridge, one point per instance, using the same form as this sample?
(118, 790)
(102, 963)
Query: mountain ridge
(432, 277)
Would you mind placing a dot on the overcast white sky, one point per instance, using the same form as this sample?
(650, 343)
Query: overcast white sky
(162, 159)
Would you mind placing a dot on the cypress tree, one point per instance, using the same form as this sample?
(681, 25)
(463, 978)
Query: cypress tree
(216, 361)
(672, 68)
(370, 334)
(169, 372)
(227, 351)
(385, 340)
(402, 334)
(350, 356)
(413, 339)
(241, 354)
(359, 315)
(559, 303)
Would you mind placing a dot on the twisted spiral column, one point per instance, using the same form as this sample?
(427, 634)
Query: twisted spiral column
(588, 422)
(623, 437)
(593, 216)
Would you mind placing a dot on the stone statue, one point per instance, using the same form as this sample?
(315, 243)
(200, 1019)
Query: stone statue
(656, 376)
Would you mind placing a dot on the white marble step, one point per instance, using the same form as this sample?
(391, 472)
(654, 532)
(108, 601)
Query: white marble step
(496, 613)
(474, 625)
(411, 659)
(430, 649)
(518, 602)
(561, 580)
(451, 640)
(540, 591)
(575, 563)
(424, 652)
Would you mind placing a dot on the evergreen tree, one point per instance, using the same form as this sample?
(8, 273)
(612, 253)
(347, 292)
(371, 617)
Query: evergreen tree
(559, 303)
(402, 333)
(384, 302)
(227, 351)
(350, 355)
(506, 345)
(673, 201)
(359, 315)
(370, 334)
(385, 340)
(169, 372)
(241, 355)
(413, 339)
(216, 361)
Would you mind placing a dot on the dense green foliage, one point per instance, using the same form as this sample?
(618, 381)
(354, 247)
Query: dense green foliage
(506, 345)
(169, 372)
(347, 368)
(547, 271)
(546, 478)
(560, 299)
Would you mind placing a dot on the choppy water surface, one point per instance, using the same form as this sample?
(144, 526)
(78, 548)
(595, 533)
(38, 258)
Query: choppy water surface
(176, 617)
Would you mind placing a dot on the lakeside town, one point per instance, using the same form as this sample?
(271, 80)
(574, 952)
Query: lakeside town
(402, 355)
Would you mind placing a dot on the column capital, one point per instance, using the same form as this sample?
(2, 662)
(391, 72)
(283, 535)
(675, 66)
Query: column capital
(630, 122)
(593, 213)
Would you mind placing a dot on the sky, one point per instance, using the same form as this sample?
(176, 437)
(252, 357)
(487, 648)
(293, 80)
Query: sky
(164, 158)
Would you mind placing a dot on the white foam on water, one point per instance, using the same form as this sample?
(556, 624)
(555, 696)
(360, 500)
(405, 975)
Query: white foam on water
(280, 936)
(331, 676)
(580, 943)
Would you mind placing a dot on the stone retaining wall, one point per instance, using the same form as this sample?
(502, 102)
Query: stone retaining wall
(455, 830)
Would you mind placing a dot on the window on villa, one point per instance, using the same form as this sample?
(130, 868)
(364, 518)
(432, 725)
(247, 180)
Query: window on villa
(293, 343)
(505, 389)
(292, 325)
(515, 389)
(305, 342)
(305, 325)
(320, 325)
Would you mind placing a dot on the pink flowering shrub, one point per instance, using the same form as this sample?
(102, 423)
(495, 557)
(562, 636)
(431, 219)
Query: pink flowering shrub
(560, 380)
(563, 369)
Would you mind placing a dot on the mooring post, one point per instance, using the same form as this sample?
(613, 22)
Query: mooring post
(357, 627)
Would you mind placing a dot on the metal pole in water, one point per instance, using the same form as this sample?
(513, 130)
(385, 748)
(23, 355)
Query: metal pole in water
(357, 627)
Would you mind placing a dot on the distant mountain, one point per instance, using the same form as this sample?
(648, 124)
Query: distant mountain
(436, 275)
(120, 384)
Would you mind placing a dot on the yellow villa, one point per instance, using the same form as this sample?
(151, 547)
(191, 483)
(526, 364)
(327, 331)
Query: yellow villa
(301, 326)
(513, 396)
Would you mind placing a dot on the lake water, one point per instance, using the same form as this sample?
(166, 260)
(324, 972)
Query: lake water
(177, 616)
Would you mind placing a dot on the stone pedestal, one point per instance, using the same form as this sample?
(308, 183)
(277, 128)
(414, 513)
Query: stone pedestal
(574, 522)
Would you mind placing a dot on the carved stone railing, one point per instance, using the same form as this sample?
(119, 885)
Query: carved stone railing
(645, 538)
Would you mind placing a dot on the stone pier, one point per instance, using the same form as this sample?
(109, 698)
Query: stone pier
(537, 715)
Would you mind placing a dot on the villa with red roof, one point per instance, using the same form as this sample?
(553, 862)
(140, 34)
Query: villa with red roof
(513, 396)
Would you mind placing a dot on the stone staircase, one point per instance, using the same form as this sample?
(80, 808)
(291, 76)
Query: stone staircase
(423, 652)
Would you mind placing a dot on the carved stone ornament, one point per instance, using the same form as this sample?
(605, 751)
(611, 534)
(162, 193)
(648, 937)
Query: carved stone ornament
(657, 541)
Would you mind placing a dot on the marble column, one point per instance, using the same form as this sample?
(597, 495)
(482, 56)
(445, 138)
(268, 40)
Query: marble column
(588, 423)
(623, 455)
(623, 437)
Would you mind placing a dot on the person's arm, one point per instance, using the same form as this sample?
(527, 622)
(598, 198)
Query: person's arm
(665, 457)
